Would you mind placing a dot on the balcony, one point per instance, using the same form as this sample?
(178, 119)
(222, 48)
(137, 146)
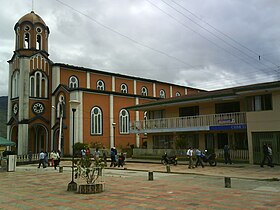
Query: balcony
(225, 121)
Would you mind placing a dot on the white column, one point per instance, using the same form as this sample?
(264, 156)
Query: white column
(77, 97)
(154, 90)
(9, 112)
(22, 139)
(80, 116)
(55, 77)
(186, 91)
(111, 121)
(88, 80)
(137, 136)
(23, 106)
(53, 117)
(113, 83)
(171, 91)
(134, 87)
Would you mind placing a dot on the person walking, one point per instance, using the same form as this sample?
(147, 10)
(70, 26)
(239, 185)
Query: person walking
(190, 157)
(198, 154)
(52, 155)
(227, 155)
(42, 159)
(270, 156)
(266, 157)
(113, 157)
(56, 158)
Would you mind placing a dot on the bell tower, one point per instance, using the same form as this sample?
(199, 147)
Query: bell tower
(29, 76)
(31, 35)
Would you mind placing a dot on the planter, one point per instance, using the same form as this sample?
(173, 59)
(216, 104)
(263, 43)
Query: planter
(91, 188)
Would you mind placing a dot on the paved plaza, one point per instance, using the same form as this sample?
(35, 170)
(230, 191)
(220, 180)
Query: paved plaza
(252, 187)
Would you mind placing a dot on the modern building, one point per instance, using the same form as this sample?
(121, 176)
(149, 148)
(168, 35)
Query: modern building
(51, 105)
(243, 117)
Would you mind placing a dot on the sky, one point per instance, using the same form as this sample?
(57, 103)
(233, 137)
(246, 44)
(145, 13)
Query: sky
(206, 44)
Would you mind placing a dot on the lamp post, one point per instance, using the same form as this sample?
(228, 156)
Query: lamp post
(72, 186)
(114, 132)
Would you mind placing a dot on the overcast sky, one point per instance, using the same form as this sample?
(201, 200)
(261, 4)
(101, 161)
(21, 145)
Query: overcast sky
(207, 44)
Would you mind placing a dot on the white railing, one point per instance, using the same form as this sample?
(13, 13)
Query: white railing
(190, 121)
(26, 158)
(234, 154)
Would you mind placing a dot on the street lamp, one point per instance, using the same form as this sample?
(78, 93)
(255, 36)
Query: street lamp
(72, 186)
(114, 130)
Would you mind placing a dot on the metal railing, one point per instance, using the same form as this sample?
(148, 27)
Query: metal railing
(234, 154)
(188, 122)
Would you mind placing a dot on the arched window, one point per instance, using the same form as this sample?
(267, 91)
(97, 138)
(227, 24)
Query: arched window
(96, 121)
(26, 41)
(144, 91)
(15, 84)
(124, 121)
(38, 42)
(73, 82)
(100, 85)
(38, 85)
(178, 94)
(123, 88)
(162, 93)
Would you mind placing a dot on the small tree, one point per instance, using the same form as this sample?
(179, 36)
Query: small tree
(89, 169)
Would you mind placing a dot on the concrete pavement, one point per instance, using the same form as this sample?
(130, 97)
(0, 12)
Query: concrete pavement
(201, 188)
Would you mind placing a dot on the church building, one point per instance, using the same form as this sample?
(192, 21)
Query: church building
(53, 105)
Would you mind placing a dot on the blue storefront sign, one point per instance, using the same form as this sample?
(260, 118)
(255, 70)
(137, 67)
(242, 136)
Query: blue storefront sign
(227, 127)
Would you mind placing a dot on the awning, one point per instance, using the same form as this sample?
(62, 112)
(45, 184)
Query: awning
(6, 142)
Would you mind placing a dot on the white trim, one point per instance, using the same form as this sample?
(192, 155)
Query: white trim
(55, 77)
(88, 80)
(186, 91)
(134, 87)
(113, 83)
(170, 90)
(111, 120)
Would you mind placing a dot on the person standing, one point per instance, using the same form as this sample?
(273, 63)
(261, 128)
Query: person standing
(190, 157)
(42, 159)
(96, 154)
(198, 158)
(227, 154)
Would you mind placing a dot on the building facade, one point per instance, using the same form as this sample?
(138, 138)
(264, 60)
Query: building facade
(53, 105)
(244, 118)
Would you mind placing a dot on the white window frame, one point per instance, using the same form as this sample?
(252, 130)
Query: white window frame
(73, 84)
(144, 91)
(162, 94)
(36, 81)
(96, 121)
(100, 87)
(124, 121)
(178, 94)
(15, 84)
(124, 88)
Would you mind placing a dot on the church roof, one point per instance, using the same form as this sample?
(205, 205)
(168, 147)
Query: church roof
(31, 17)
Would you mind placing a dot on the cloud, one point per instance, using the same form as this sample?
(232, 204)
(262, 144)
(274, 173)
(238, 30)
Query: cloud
(151, 40)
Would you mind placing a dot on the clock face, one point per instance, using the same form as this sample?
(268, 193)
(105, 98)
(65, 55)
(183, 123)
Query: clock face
(38, 108)
(15, 108)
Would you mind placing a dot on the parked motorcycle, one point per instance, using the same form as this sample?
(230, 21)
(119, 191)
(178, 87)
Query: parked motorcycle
(209, 158)
(165, 159)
